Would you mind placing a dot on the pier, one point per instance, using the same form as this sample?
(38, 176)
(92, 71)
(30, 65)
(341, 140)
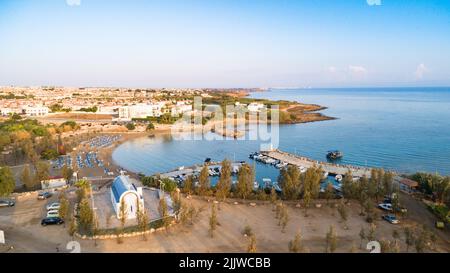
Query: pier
(331, 168)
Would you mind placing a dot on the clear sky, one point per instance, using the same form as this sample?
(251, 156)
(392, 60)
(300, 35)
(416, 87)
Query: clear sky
(228, 43)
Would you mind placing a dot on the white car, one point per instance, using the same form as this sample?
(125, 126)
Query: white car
(384, 206)
(52, 214)
(53, 206)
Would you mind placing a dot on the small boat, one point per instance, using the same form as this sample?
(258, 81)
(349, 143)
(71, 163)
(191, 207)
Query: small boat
(276, 186)
(333, 155)
(255, 185)
(267, 183)
(339, 178)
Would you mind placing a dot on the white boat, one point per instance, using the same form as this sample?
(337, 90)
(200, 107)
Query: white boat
(339, 178)
(337, 188)
(267, 182)
(271, 161)
(255, 185)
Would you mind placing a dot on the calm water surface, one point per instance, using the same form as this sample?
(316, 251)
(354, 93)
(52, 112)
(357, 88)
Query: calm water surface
(406, 130)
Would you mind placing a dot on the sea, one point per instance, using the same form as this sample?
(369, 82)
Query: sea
(401, 129)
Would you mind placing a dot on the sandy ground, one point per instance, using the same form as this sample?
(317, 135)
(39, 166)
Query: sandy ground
(104, 210)
(24, 233)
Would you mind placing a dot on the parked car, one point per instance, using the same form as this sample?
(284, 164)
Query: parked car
(53, 206)
(391, 219)
(52, 213)
(44, 195)
(52, 221)
(7, 203)
(387, 207)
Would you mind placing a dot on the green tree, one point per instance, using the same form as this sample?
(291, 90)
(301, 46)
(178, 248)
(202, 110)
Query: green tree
(284, 219)
(224, 183)
(245, 181)
(27, 179)
(422, 240)
(296, 245)
(204, 182)
(188, 185)
(86, 215)
(360, 191)
(251, 248)
(311, 185)
(371, 234)
(347, 185)
(273, 196)
(67, 173)
(362, 236)
(342, 209)
(7, 182)
(83, 189)
(331, 239)
(72, 226)
(329, 192)
(213, 220)
(123, 214)
(64, 207)
(395, 235)
(130, 126)
(289, 181)
(42, 171)
(150, 127)
(164, 212)
(142, 219)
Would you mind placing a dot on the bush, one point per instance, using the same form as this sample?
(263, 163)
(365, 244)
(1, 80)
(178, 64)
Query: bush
(131, 126)
(150, 181)
(247, 231)
(169, 185)
(441, 211)
(49, 154)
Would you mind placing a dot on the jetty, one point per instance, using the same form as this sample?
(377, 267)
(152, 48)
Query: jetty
(304, 162)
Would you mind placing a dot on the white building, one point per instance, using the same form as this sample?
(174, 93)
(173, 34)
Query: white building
(8, 111)
(53, 183)
(108, 110)
(124, 190)
(181, 108)
(35, 111)
(127, 113)
(255, 107)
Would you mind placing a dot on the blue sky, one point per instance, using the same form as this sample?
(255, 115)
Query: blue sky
(228, 43)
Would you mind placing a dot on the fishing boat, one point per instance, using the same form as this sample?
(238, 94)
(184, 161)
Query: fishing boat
(333, 155)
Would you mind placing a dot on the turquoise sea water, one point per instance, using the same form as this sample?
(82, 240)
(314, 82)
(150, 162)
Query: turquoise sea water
(405, 129)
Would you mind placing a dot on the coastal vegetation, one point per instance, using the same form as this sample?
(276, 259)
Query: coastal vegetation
(290, 111)
(28, 140)
(7, 183)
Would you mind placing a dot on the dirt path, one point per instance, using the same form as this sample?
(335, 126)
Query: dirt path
(23, 231)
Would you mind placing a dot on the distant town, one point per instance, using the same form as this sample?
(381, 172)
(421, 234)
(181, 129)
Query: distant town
(122, 103)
